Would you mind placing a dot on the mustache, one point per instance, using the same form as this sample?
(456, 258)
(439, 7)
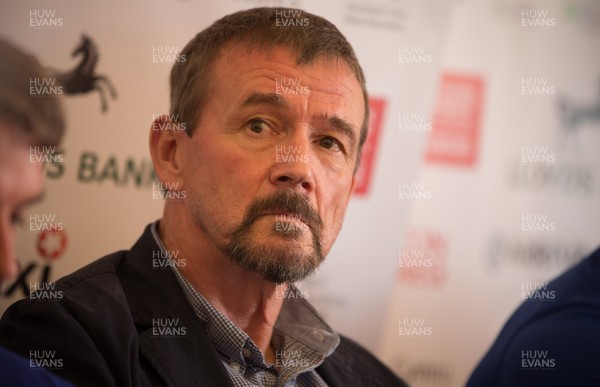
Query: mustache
(288, 202)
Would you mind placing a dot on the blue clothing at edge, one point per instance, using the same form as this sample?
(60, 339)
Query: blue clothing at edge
(564, 329)
(16, 371)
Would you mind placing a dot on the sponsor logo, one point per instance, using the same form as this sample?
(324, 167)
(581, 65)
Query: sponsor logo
(121, 171)
(50, 246)
(83, 78)
(456, 126)
(532, 254)
(566, 177)
(422, 260)
(377, 107)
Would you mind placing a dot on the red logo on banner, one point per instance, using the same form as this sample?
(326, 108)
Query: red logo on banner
(51, 244)
(456, 126)
(365, 170)
(422, 260)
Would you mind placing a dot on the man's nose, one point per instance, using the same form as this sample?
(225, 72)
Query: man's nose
(293, 165)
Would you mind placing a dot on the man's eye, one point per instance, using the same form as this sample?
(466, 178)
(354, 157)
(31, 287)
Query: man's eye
(330, 143)
(257, 126)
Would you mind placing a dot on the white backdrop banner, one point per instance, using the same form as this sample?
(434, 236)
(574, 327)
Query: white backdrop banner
(507, 195)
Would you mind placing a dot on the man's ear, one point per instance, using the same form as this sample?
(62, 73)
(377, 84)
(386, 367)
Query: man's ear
(353, 185)
(166, 150)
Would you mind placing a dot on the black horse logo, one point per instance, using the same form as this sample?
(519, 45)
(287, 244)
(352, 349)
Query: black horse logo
(82, 78)
(574, 115)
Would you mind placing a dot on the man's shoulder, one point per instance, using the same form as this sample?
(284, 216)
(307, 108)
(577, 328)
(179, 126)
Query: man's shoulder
(86, 295)
(352, 365)
(97, 283)
(557, 348)
(574, 295)
(556, 324)
(572, 300)
(557, 327)
(100, 270)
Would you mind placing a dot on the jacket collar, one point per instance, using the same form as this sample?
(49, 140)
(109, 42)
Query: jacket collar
(170, 335)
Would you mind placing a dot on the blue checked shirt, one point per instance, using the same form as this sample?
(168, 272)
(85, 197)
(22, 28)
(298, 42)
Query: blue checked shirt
(301, 339)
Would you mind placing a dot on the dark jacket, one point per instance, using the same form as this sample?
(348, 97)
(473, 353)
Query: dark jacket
(102, 330)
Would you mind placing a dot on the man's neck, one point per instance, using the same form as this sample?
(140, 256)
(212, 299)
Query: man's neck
(250, 302)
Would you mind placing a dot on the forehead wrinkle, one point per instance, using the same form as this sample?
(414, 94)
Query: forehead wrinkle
(272, 99)
(339, 100)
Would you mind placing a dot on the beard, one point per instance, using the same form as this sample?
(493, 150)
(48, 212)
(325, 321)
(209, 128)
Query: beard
(277, 262)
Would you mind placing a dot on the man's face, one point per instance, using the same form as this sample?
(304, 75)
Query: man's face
(21, 183)
(269, 169)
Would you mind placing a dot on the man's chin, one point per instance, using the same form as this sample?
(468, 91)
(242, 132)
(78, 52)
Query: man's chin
(278, 262)
(295, 229)
(280, 251)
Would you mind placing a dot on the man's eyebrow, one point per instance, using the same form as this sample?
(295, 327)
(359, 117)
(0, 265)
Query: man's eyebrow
(342, 126)
(271, 99)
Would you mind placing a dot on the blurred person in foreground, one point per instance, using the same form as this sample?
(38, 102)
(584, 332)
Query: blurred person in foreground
(25, 121)
(553, 338)
(257, 163)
